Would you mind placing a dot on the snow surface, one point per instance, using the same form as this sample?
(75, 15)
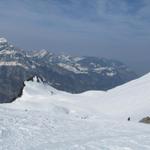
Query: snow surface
(74, 68)
(48, 119)
(40, 54)
(12, 63)
(7, 52)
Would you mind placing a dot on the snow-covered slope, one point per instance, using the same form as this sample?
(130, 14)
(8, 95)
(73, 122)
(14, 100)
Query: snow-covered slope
(45, 118)
(131, 99)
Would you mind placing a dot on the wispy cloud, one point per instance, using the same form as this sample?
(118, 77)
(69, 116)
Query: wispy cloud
(112, 28)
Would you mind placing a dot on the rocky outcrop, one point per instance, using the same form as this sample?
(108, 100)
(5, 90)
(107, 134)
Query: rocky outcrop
(145, 120)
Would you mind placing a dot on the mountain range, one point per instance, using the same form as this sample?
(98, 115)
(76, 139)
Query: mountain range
(63, 72)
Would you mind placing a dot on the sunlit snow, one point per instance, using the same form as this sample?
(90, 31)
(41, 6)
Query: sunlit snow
(48, 119)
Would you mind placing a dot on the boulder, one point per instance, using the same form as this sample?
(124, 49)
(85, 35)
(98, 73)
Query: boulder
(145, 120)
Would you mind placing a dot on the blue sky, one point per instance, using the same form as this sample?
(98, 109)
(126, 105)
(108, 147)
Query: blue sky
(106, 28)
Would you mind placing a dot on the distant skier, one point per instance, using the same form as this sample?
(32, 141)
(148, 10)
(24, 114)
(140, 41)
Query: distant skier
(129, 118)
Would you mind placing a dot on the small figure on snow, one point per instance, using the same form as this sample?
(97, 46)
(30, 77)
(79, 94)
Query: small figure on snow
(129, 118)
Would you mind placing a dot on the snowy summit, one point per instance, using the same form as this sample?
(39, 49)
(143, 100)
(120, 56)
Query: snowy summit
(3, 41)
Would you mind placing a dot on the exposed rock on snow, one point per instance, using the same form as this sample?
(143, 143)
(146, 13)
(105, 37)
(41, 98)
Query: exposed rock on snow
(145, 120)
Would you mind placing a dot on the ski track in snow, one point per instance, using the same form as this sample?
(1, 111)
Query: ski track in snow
(47, 119)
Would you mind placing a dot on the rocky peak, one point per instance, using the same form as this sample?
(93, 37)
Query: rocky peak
(3, 41)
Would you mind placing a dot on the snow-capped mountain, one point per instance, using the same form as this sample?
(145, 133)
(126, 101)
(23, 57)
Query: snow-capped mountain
(47, 118)
(64, 72)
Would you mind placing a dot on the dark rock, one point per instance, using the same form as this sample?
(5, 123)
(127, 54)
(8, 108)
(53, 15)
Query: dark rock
(145, 120)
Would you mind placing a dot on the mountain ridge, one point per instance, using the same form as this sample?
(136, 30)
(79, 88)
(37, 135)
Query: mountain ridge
(64, 72)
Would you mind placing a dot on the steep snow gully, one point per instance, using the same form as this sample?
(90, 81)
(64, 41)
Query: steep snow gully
(44, 118)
